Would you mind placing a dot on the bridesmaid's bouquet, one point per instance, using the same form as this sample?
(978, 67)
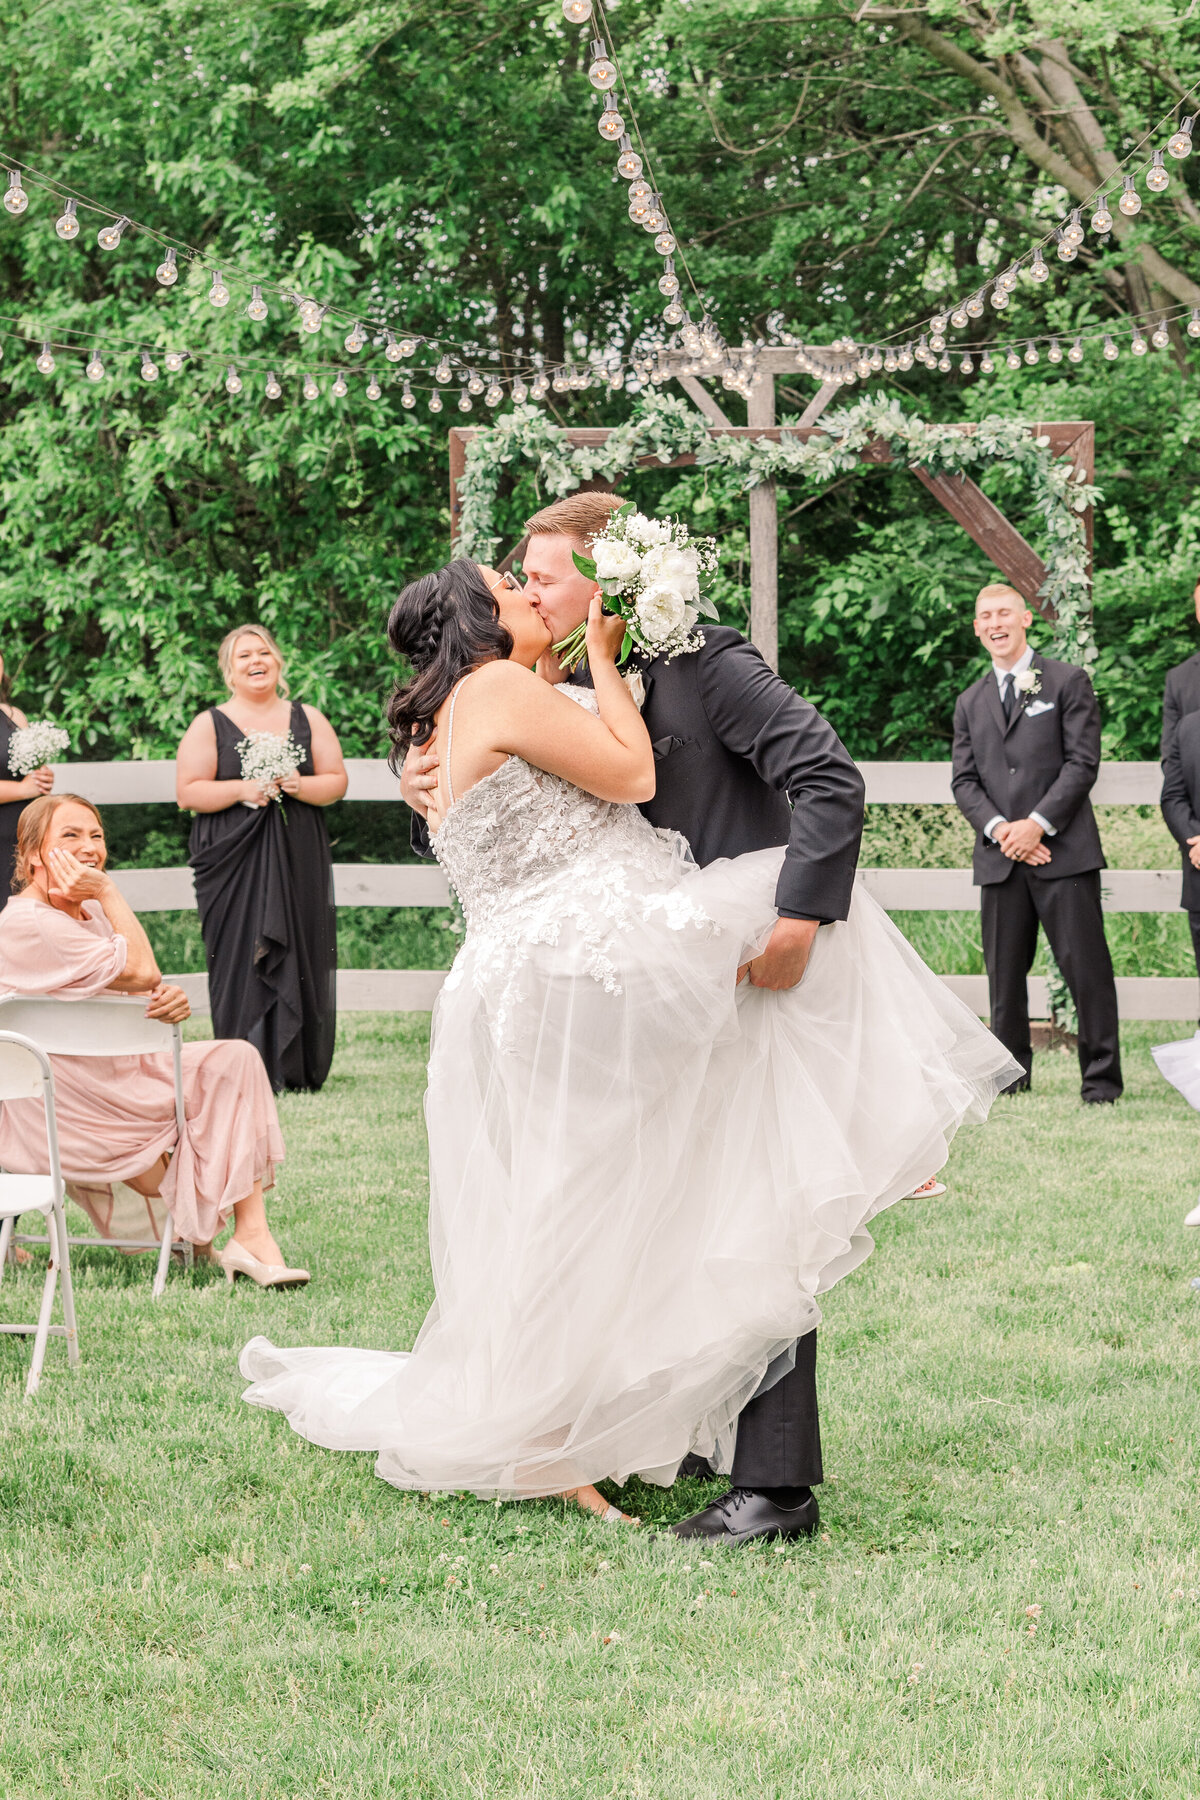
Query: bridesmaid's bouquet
(270, 757)
(648, 571)
(34, 745)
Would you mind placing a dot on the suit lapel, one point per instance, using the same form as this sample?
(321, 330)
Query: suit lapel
(1023, 700)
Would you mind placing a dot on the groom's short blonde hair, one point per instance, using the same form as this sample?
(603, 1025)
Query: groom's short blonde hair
(582, 516)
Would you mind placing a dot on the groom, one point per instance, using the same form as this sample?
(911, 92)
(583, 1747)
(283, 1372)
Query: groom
(742, 763)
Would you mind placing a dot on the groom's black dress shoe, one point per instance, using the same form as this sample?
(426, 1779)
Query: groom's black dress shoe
(696, 1468)
(741, 1516)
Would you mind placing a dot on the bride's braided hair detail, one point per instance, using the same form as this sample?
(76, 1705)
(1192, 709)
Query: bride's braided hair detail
(446, 624)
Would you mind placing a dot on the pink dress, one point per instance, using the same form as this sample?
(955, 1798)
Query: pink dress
(116, 1114)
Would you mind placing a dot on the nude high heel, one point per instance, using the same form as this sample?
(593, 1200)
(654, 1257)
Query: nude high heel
(237, 1261)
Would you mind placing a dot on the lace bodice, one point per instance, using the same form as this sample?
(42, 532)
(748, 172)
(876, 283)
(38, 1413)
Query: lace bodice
(528, 854)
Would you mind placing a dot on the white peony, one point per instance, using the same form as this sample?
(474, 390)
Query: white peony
(661, 610)
(615, 561)
(678, 568)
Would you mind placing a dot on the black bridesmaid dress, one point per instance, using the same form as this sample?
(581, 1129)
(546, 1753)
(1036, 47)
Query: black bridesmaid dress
(10, 812)
(264, 887)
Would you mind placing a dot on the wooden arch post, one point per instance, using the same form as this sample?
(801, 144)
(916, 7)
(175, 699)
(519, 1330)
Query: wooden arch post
(963, 499)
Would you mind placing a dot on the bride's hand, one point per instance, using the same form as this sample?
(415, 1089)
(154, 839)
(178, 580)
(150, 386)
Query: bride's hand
(605, 633)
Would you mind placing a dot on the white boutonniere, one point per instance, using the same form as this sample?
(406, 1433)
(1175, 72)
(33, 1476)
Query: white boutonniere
(637, 687)
(1028, 682)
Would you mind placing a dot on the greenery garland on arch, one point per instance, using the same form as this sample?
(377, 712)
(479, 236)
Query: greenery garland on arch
(665, 427)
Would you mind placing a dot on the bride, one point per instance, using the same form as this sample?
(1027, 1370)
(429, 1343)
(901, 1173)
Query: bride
(643, 1170)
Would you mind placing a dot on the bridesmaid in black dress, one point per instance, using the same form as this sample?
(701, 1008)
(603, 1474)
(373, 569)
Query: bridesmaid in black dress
(264, 875)
(16, 791)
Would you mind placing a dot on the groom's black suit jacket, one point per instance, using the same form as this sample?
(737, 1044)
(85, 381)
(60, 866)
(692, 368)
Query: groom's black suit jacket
(1181, 799)
(743, 763)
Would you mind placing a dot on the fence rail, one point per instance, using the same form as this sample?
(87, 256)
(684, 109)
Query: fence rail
(898, 890)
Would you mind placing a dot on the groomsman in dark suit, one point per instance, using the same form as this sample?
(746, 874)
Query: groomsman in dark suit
(1026, 757)
(1182, 694)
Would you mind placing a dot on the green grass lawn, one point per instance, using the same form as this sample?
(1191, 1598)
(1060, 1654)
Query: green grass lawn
(1004, 1600)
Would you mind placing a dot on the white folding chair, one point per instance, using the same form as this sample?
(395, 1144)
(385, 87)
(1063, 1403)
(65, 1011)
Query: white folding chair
(113, 1026)
(25, 1074)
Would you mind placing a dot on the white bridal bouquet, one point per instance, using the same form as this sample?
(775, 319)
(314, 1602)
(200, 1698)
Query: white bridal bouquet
(34, 745)
(269, 756)
(648, 571)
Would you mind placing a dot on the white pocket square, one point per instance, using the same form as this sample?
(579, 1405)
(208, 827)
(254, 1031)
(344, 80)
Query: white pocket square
(1039, 706)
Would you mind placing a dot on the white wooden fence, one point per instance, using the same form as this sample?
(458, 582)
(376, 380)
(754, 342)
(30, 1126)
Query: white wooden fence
(406, 884)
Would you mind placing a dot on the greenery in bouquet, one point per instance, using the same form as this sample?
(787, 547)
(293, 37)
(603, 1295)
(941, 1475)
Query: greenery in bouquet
(648, 571)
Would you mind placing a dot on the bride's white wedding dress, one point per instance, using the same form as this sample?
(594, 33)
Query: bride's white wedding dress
(641, 1179)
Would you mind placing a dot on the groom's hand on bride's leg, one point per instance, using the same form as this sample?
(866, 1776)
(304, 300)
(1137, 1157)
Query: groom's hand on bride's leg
(783, 962)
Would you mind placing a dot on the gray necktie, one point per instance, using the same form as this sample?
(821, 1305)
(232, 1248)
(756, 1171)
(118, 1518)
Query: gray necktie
(1008, 696)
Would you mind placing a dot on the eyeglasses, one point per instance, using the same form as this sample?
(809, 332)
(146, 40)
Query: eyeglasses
(508, 580)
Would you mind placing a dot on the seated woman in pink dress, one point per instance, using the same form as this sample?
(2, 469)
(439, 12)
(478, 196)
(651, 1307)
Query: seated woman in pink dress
(68, 932)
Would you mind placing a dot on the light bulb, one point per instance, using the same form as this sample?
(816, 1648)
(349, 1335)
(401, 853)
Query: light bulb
(442, 372)
(1101, 218)
(256, 308)
(1073, 229)
(1138, 345)
(1193, 324)
(877, 360)
(339, 390)
(640, 190)
(95, 368)
(937, 341)
(1160, 337)
(668, 281)
(1111, 352)
(1180, 142)
(610, 124)
(373, 389)
(173, 361)
(577, 12)
(664, 243)
(464, 401)
(1067, 252)
(602, 73)
(273, 389)
(233, 381)
(1054, 353)
(408, 399)
(218, 293)
(520, 392)
(67, 225)
(656, 218)
(1075, 353)
(1037, 267)
(494, 395)
(1008, 281)
(435, 403)
(938, 324)
(944, 363)
(999, 297)
(1013, 360)
(986, 365)
(15, 197)
(958, 318)
(540, 387)
(974, 307)
(109, 236)
(1130, 201)
(356, 339)
(474, 382)
(312, 317)
(905, 359)
(407, 346)
(561, 382)
(167, 272)
(966, 366)
(616, 379)
(392, 350)
(1157, 179)
(149, 367)
(629, 163)
(310, 390)
(890, 363)
(863, 366)
(639, 211)
(674, 313)
(1031, 355)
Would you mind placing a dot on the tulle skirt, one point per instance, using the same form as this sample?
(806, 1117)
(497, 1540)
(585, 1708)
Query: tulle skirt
(641, 1181)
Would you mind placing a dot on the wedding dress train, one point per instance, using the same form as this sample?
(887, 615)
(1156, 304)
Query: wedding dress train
(641, 1178)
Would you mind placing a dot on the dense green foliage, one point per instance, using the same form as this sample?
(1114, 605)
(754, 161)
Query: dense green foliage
(437, 167)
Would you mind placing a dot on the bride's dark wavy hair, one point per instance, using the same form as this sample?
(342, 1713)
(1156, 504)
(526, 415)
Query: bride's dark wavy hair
(446, 624)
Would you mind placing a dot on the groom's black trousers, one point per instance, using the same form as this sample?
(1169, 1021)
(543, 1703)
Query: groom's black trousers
(779, 1433)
